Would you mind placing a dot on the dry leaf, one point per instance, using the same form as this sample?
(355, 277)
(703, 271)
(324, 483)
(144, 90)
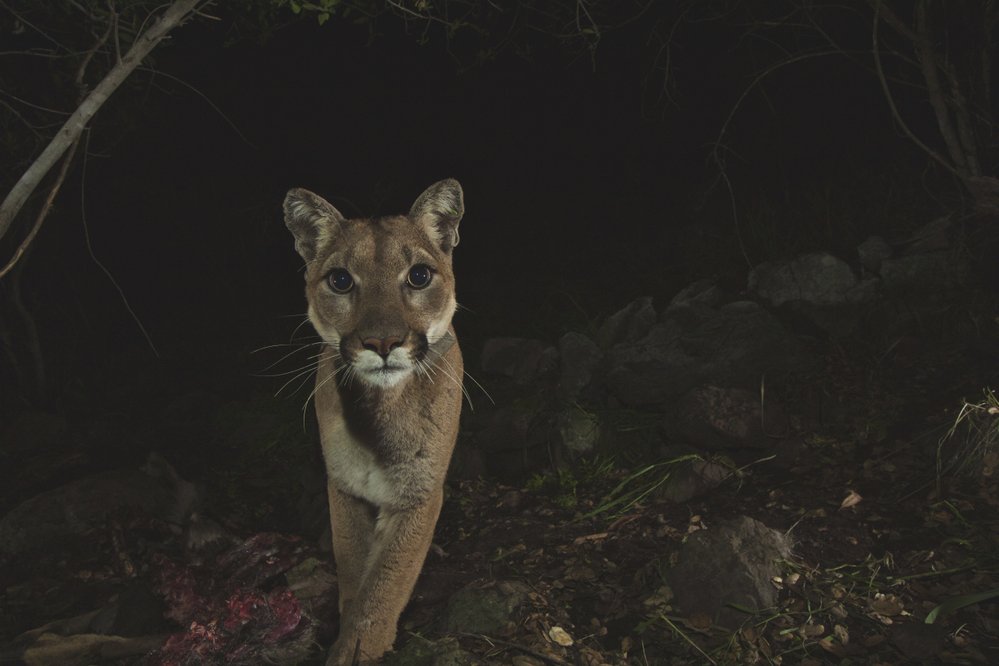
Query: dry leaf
(886, 605)
(852, 499)
(811, 630)
(560, 636)
(700, 621)
(589, 537)
(830, 645)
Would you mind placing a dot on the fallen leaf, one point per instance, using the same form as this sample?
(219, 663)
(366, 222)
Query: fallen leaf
(811, 630)
(853, 498)
(886, 605)
(700, 621)
(560, 636)
(829, 645)
(589, 537)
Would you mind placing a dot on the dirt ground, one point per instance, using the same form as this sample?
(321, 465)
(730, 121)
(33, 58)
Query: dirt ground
(891, 521)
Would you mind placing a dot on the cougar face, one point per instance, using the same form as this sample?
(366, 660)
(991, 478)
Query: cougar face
(381, 296)
(380, 290)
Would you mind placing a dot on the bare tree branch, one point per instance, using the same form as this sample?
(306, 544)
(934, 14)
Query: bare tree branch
(938, 100)
(893, 20)
(70, 132)
(44, 211)
(891, 99)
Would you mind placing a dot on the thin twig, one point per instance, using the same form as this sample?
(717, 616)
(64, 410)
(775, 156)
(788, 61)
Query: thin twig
(716, 150)
(100, 265)
(175, 14)
(205, 97)
(891, 99)
(44, 211)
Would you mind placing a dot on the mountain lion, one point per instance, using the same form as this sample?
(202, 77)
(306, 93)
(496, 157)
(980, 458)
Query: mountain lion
(388, 395)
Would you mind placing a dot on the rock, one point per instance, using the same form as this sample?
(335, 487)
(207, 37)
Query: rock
(521, 359)
(918, 276)
(731, 563)
(711, 417)
(506, 436)
(692, 479)
(311, 580)
(578, 429)
(83, 649)
(703, 292)
(578, 359)
(418, 651)
(931, 237)
(819, 286)
(70, 510)
(484, 610)
(629, 324)
(872, 252)
(695, 344)
(918, 641)
(818, 278)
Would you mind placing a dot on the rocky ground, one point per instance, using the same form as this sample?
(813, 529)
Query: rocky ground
(574, 567)
(710, 481)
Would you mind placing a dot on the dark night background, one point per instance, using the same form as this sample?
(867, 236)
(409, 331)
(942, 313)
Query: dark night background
(582, 191)
(591, 178)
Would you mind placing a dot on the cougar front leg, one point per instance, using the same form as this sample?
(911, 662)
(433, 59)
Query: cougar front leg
(401, 542)
(352, 522)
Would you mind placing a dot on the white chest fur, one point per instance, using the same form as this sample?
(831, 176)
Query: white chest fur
(355, 469)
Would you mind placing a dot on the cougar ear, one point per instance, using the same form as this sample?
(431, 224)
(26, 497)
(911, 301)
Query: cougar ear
(439, 210)
(309, 217)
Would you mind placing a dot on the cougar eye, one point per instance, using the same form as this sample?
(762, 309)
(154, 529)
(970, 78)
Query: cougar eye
(419, 276)
(340, 281)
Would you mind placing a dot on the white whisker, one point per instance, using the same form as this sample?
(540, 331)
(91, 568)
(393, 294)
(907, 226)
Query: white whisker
(453, 378)
(304, 372)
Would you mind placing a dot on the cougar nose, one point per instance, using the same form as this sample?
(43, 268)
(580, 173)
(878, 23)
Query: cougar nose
(382, 346)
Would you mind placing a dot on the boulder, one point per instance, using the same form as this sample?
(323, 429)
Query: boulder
(712, 417)
(46, 519)
(691, 345)
(475, 609)
(872, 252)
(703, 292)
(578, 429)
(578, 359)
(693, 478)
(818, 278)
(628, 324)
(733, 562)
(418, 651)
(523, 360)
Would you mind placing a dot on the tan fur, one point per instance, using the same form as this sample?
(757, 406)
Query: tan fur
(388, 397)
